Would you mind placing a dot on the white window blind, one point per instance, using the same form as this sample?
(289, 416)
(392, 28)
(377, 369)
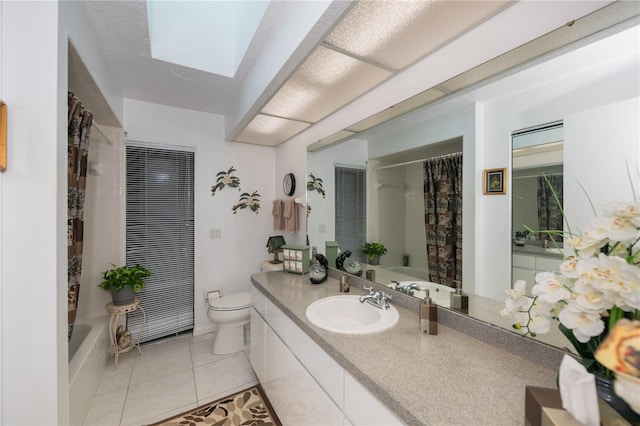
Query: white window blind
(159, 234)
(351, 210)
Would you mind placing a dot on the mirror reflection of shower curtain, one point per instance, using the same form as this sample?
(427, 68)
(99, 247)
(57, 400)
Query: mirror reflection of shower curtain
(79, 123)
(549, 211)
(443, 218)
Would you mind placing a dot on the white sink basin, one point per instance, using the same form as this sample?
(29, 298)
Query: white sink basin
(346, 315)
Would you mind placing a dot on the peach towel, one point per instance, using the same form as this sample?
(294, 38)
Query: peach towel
(290, 215)
(278, 215)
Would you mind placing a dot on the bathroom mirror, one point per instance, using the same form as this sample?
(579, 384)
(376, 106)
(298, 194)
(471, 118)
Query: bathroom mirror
(596, 105)
(536, 201)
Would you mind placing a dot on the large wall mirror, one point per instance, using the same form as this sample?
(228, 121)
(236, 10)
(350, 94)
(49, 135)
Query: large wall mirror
(536, 199)
(590, 112)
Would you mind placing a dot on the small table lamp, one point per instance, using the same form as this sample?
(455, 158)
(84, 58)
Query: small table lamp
(274, 245)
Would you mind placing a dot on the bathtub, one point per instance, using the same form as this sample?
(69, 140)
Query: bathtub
(88, 358)
(420, 274)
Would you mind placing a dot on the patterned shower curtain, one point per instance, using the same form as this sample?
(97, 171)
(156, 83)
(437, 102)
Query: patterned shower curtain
(549, 211)
(443, 218)
(79, 126)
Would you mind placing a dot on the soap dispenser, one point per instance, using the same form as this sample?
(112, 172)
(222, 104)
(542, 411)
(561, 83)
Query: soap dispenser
(428, 315)
(458, 299)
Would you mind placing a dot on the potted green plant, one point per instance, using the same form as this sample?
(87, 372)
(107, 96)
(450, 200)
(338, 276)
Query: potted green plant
(373, 252)
(123, 282)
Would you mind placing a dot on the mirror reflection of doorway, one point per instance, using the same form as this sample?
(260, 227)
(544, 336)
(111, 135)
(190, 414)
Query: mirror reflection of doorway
(351, 209)
(537, 199)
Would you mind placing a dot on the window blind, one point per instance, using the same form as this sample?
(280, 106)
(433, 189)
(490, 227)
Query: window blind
(351, 210)
(160, 237)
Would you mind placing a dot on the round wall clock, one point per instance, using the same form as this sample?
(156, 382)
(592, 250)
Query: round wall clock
(289, 184)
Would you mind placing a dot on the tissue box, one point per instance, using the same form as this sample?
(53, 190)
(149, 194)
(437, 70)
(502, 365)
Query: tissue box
(535, 399)
(295, 259)
(543, 407)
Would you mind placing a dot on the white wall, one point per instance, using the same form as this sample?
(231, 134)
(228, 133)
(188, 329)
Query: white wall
(228, 262)
(290, 158)
(416, 241)
(103, 221)
(611, 136)
(387, 210)
(33, 200)
(323, 210)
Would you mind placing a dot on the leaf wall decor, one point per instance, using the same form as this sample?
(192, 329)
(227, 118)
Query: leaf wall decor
(251, 201)
(225, 179)
(315, 184)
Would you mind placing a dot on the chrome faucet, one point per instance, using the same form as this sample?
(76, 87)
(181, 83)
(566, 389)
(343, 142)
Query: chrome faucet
(409, 289)
(376, 298)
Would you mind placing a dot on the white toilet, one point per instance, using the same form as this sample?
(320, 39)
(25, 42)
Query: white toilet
(231, 314)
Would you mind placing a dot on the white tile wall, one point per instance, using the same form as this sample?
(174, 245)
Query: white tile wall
(103, 220)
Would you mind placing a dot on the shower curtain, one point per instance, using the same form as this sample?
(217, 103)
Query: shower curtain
(443, 218)
(79, 126)
(549, 211)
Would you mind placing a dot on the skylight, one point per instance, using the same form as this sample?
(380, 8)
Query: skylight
(211, 36)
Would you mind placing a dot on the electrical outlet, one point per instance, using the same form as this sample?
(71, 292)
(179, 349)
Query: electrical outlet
(322, 229)
(215, 233)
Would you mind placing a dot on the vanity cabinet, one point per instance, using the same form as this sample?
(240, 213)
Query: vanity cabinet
(304, 384)
(526, 267)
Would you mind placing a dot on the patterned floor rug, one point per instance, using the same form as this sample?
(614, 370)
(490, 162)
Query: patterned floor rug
(248, 407)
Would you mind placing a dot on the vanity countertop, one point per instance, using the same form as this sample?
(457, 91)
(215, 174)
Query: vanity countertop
(533, 249)
(449, 378)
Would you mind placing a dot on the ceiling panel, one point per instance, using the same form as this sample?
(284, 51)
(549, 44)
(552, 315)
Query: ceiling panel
(397, 33)
(326, 81)
(270, 131)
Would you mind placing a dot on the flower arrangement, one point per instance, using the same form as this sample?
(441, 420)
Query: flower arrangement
(599, 284)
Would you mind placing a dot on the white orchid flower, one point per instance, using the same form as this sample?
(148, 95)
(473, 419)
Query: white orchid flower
(549, 288)
(517, 300)
(630, 211)
(569, 268)
(584, 325)
(539, 324)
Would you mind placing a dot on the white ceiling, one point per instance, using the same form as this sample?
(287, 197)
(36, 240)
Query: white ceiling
(122, 30)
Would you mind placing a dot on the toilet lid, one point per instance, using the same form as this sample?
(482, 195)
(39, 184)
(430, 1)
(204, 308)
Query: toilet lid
(231, 302)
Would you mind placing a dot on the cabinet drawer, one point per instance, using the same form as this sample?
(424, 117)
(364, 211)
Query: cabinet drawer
(544, 264)
(258, 300)
(362, 408)
(328, 373)
(277, 320)
(522, 261)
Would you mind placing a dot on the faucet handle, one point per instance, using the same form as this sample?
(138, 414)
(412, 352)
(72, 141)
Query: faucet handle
(386, 295)
(370, 289)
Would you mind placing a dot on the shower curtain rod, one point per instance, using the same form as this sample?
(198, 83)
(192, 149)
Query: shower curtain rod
(102, 132)
(406, 163)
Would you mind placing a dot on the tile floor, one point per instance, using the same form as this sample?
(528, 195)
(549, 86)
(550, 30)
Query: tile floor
(170, 377)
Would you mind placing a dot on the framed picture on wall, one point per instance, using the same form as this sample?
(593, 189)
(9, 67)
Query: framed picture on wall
(495, 181)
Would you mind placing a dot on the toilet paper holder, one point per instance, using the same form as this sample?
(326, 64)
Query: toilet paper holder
(212, 294)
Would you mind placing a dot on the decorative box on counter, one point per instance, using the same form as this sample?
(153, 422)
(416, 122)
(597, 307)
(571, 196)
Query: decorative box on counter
(331, 252)
(296, 259)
